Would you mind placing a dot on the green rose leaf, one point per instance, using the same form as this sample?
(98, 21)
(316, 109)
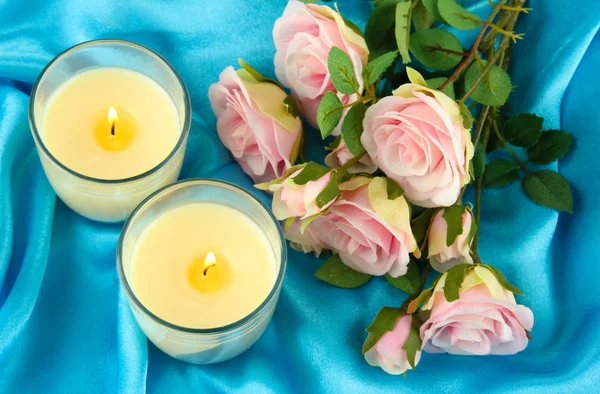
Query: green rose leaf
(289, 103)
(552, 145)
(478, 161)
(422, 298)
(422, 19)
(408, 282)
(502, 280)
(413, 342)
(341, 70)
(376, 67)
(550, 189)
(456, 16)
(500, 173)
(255, 74)
(454, 279)
(523, 130)
(420, 225)
(494, 142)
(379, 32)
(352, 128)
(436, 83)
(311, 172)
(384, 321)
(493, 89)
(466, 115)
(428, 45)
(394, 190)
(329, 113)
(402, 30)
(329, 193)
(336, 273)
(432, 7)
(453, 217)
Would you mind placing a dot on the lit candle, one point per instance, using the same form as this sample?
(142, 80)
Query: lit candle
(202, 263)
(109, 134)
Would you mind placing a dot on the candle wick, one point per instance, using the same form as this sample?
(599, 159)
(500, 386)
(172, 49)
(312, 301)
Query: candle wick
(206, 270)
(112, 128)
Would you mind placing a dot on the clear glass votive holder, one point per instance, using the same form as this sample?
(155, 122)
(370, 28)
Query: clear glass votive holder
(199, 345)
(108, 200)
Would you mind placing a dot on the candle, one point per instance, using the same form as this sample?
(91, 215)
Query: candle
(202, 264)
(110, 120)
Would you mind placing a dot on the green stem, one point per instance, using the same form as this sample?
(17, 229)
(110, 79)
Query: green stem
(365, 100)
(508, 148)
(480, 123)
(342, 170)
(479, 184)
(419, 289)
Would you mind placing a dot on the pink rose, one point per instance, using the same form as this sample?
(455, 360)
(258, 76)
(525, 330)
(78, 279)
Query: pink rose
(443, 257)
(306, 241)
(293, 200)
(371, 233)
(417, 138)
(303, 36)
(388, 353)
(484, 320)
(254, 125)
(341, 155)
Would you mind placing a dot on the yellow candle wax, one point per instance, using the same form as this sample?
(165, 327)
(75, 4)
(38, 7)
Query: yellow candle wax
(110, 123)
(202, 265)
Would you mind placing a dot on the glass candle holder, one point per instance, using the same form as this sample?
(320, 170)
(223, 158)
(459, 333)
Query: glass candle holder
(200, 345)
(108, 200)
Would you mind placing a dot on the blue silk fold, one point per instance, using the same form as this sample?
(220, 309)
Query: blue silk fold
(66, 327)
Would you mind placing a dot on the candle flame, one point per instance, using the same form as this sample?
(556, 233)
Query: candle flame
(112, 116)
(209, 261)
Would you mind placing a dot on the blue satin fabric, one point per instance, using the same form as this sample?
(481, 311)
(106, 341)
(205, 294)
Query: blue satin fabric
(65, 325)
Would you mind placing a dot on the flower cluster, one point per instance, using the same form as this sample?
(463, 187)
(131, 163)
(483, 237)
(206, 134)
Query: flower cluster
(388, 199)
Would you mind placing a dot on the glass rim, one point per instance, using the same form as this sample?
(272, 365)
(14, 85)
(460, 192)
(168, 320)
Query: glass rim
(185, 126)
(215, 330)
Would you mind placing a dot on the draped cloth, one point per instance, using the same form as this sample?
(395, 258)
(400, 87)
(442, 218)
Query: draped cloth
(66, 327)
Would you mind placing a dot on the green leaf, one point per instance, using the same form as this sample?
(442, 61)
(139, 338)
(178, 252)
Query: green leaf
(466, 115)
(289, 222)
(456, 16)
(329, 193)
(453, 217)
(432, 7)
(329, 113)
(502, 280)
(493, 89)
(413, 342)
(454, 279)
(420, 225)
(402, 30)
(523, 130)
(376, 67)
(478, 161)
(422, 19)
(408, 282)
(384, 321)
(427, 46)
(500, 173)
(473, 229)
(415, 77)
(422, 298)
(336, 273)
(494, 142)
(394, 190)
(436, 83)
(311, 172)
(255, 74)
(379, 32)
(550, 189)
(352, 128)
(289, 103)
(341, 71)
(552, 145)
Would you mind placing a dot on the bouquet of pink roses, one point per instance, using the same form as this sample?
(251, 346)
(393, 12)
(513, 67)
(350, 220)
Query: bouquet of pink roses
(403, 148)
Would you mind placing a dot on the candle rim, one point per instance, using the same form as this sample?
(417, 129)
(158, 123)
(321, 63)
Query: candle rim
(215, 330)
(185, 126)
